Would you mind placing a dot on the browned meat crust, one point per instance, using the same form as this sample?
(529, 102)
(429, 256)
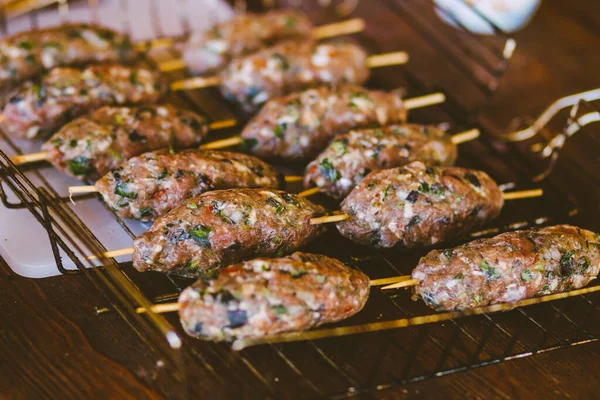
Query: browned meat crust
(91, 146)
(509, 267)
(147, 186)
(289, 67)
(352, 156)
(38, 108)
(300, 125)
(208, 51)
(223, 227)
(266, 296)
(26, 54)
(418, 205)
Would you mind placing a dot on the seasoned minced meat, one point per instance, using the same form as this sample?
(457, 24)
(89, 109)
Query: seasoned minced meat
(352, 156)
(270, 295)
(147, 186)
(289, 67)
(90, 146)
(223, 227)
(213, 49)
(26, 54)
(418, 205)
(40, 107)
(509, 267)
(300, 125)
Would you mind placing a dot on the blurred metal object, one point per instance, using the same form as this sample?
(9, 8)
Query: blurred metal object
(583, 113)
(543, 120)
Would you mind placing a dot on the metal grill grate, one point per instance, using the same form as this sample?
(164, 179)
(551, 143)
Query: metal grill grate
(344, 366)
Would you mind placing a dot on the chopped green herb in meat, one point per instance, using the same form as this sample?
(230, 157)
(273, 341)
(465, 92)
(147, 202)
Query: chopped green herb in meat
(329, 171)
(200, 235)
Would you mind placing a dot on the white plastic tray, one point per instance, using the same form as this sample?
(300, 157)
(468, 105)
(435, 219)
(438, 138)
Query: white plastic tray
(24, 243)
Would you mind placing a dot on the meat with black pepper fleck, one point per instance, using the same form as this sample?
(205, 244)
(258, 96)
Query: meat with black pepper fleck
(92, 145)
(299, 126)
(27, 54)
(289, 67)
(223, 227)
(352, 156)
(246, 33)
(149, 185)
(271, 295)
(418, 205)
(39, 107)
(509, 267)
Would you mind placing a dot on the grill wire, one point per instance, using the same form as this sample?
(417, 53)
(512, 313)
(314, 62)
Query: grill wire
(343, 366)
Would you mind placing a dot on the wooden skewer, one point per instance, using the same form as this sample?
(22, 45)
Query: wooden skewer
(329, 219)
(114, 253)
(523, 194)
(93, 189)
(341, 217)
(384, 60)
(406, 283)
(42, 155)
(223, 124)
(293, 178)
(219, 144)
(348, 27)
(29, 158)
(171, 307)
(309, 192)
(465, 136)
(380, 60)
(424, 101)
(82, 189)
(458, 138)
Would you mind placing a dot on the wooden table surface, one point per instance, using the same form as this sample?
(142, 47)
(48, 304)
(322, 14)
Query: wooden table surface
(54, 346)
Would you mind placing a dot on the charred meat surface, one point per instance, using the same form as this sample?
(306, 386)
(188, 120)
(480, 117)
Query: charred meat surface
(300, 125)
(352, 156)
(509, 267)
(247, 33)
(223, 227)
(90, 146)
(40, 107)
(26, 54)
(270, 295)
(417, 205)
(289, 67)
(147, 186)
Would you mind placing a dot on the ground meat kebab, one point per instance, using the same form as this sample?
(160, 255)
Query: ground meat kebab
(291, 66)
(418, 205)
(153, 183)
(27, 54)
(246, 33)
(40, 107)
(300, 125)
(90, 146)
(352, 156)
(509, 267)
(223, 227)
(269, 295)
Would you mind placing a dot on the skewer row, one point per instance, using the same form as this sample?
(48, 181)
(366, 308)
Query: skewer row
(396, 58)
